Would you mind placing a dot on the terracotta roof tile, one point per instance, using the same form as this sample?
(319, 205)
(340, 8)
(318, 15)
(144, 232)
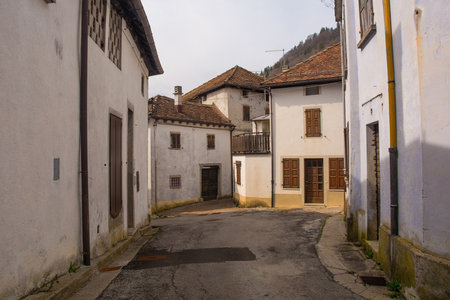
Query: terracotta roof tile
(234, 77)
(161, 107)
(322, 67)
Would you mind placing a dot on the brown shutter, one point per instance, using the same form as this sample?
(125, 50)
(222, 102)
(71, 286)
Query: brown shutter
(115, 165)
(238, 172)
(291, 173)
(312, 117)
(336, 172)
(333, 170)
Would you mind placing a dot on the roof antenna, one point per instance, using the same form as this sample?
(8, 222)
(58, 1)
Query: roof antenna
(284, 67)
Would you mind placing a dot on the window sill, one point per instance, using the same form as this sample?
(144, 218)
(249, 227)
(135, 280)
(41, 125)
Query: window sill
(336, 190)
(367, 36)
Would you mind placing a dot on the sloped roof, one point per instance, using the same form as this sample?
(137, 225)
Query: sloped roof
(134, 14)
(163, 108)
(235, 77)
(323, 67)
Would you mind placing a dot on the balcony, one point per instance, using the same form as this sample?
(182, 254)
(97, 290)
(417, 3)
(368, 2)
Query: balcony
(251, 143)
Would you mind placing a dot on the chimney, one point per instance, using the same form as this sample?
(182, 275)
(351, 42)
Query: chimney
(178, 99)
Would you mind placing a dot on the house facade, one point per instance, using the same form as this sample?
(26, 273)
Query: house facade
(398, 124)
(45, 225)
(306, 149)
(237, 93)
(189, 150)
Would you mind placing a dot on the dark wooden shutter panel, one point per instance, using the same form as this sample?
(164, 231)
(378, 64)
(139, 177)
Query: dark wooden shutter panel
(341, 174)
(238, 173)
(115, 165)
(312, 117)
(291, 173)
(333, 170)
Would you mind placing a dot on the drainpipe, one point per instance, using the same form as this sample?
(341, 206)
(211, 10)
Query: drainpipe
(231, 155)
(84, 133)
(393, 153)
(272, 182)
(154, 154)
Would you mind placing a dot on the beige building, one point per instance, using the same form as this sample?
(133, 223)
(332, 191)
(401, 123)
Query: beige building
(189, 152)
(69, 194)
(306, 160)
(237, 93)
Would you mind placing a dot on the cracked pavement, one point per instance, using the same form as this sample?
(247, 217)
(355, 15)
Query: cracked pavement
(233, 254)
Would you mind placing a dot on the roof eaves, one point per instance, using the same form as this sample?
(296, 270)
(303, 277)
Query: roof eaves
(303, 82)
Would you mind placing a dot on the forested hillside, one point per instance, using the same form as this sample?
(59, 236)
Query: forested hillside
(310, 46)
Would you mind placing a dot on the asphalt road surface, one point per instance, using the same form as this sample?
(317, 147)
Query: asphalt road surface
(239, 254)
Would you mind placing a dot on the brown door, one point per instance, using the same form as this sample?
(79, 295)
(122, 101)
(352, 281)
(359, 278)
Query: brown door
(314, 180)
(210, 182)
(115, 165)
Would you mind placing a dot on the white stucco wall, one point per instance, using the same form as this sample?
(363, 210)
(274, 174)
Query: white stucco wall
(40, 223)
(255, 187)
(421, 43)
(230, 102)
(289, 137)
(187, 161)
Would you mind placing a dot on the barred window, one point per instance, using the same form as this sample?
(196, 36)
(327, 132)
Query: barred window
(175, 140)
(175, 182)
(115, 37)
(97, 21)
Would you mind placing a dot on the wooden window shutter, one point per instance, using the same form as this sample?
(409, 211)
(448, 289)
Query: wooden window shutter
(290, 173)
(312, 117)
(238, 172)
(336, 173)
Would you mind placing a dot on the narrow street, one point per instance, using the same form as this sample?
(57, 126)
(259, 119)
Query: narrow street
(230, 254)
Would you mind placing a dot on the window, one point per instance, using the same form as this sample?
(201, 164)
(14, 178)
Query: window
(238, 172)
(210, 141)
(115, 37)
(314, 90)
(365, 16)
(336, 166)
(175, 140)
(312, 117)
(175, 182)
(291, 173)
(97, 21)
(267, 96)
(266, 111)
(143, 85)
(245, 94)
(246, 113)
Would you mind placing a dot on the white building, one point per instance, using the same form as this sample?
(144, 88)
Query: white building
(306, 161)
(399, 138)
(41, 185)
(237, 93)
(189, 150)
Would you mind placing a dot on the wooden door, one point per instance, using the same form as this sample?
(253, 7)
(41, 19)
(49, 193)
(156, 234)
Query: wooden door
(210, 176)
(115, 165)
(314, 180)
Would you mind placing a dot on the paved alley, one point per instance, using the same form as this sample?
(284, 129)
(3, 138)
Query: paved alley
(230, 254)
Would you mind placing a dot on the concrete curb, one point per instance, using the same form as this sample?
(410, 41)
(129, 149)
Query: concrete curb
(330, 249)
(68, 284)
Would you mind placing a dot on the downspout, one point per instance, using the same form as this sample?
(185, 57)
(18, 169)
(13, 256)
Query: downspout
(84, 133)
(231, 156)
(341, 33)
(272, 182)
(155, 161)
(393, 153)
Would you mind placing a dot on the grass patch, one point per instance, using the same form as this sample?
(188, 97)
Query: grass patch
(321, 227)
(73, 267)
(395, 287)
(368, 253)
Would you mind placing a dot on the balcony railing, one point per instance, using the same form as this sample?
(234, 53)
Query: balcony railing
(251, 143)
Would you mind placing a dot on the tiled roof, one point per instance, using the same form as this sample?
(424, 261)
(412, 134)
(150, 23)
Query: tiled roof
(235, 77)
(163, 108)
(324, 66)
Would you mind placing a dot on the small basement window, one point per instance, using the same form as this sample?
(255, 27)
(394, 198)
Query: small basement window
(313, 90)
(175, 182)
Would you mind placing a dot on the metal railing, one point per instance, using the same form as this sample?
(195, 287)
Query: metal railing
(251, 143)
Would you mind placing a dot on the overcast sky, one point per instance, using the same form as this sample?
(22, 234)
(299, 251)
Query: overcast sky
(200, 39)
